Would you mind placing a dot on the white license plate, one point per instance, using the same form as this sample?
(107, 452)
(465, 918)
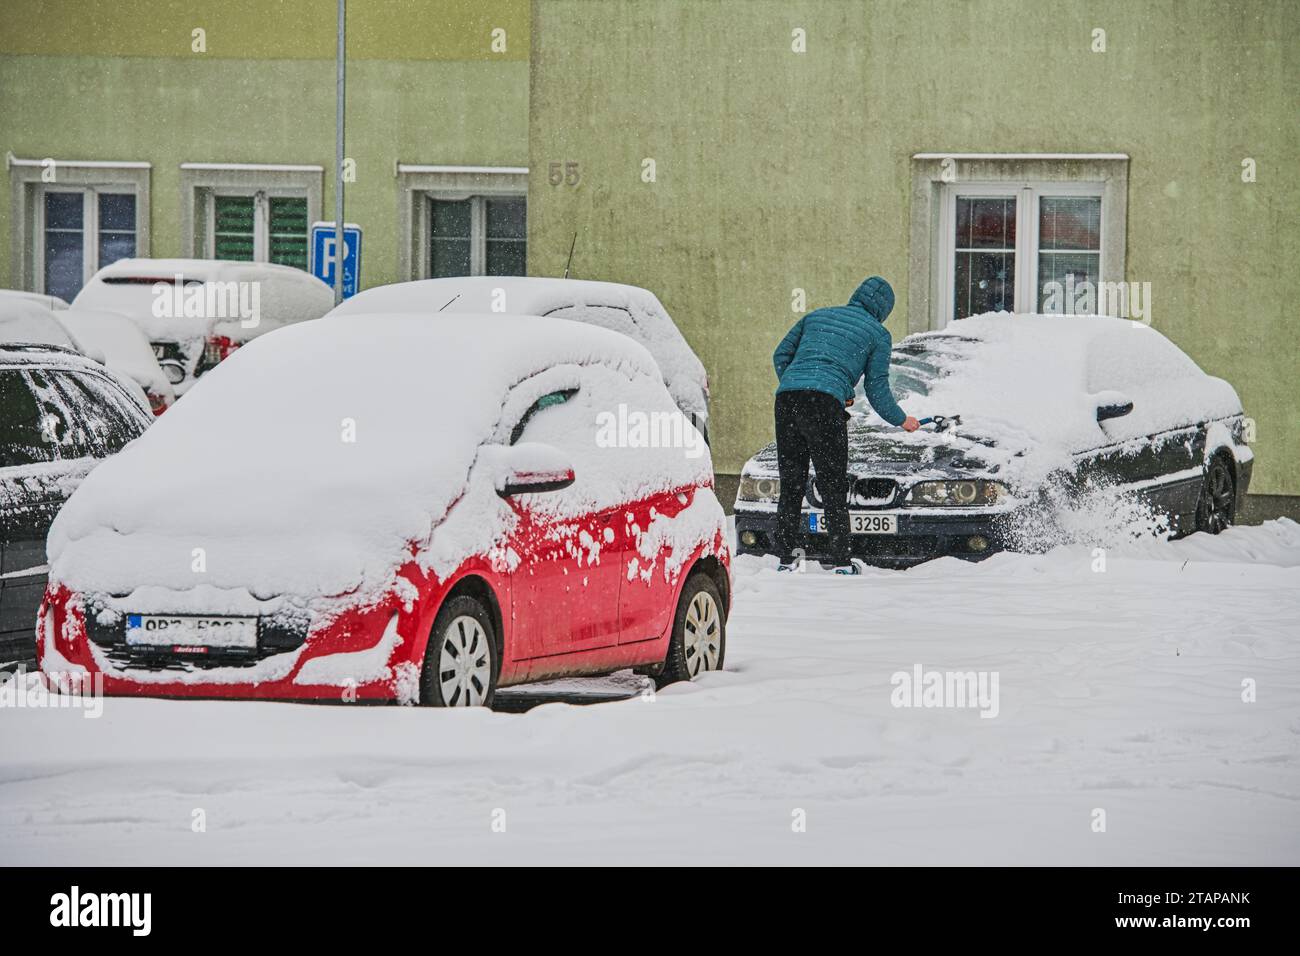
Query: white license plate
(157, 630)
(859, 523)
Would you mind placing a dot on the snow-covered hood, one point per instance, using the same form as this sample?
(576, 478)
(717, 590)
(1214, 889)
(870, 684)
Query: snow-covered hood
(312, 460)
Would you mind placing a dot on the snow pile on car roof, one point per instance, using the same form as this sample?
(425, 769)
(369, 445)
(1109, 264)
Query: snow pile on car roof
(23, 321)
(167, 310)
(313, 459)
(119, 342)
(1035, 381)
(628, 309)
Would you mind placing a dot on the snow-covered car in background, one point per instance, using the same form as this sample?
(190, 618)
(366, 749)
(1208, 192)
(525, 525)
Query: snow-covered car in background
(411, 510)
(634, 311)
(49, 301)
(27, 321)
(115, 340)
(196, 312)
(1068, 426)
(60, 414)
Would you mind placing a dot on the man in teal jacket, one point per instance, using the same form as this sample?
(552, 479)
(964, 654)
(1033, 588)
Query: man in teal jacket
(819, 362)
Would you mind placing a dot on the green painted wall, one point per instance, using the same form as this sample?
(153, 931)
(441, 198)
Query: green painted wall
(777, 170)
(124, 86)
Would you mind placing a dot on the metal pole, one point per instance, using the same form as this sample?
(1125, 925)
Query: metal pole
(339, 247)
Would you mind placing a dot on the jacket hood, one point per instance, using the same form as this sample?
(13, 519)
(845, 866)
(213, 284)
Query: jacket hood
(876, 296)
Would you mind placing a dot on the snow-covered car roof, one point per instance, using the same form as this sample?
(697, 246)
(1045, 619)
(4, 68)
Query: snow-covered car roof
(60, 356)
(256, 461)
(1040, 378)
(49, 301)
(643, 315)
(25, 320)
(120, 343)
(285, 295)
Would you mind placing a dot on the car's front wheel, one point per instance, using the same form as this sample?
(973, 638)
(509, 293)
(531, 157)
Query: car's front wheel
(1217, 506)
(699, 640)
(460, 662)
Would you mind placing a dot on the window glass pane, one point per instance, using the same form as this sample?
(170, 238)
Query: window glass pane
(1069, 253)
(984, 282)
(114, 246)
(288, 232)
(24, 438)
(986, 223)
(451, 218)
(233, 233)
(116, 212)
(1060, 276)
(984, 273)
(507, 218)
(1069, 222)
(449, 245)
(64, 249)
(507, 257)
(507, 229)
(64, 258)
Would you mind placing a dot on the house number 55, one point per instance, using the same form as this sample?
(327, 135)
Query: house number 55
(567, 174)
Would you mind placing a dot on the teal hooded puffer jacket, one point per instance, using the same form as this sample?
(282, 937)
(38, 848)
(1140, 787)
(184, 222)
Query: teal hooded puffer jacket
(828, 350)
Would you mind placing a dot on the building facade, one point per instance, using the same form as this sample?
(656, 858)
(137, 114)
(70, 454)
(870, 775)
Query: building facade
(746, 160)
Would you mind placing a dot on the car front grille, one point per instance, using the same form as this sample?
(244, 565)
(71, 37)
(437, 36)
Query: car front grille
(873, 492)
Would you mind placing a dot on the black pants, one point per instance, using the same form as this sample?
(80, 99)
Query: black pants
(812, 425)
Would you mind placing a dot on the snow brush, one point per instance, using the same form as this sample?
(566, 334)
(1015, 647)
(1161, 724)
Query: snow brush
(941, 423)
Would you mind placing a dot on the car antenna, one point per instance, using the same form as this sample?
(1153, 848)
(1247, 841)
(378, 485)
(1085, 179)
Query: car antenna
(450, 301)
(571, 245)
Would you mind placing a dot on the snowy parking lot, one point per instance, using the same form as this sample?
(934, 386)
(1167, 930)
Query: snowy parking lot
(1147, 713)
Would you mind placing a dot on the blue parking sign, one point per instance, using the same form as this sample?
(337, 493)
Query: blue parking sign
(322, 255)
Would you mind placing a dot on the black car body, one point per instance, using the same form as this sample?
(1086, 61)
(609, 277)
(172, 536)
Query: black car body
(60, 414)
(1161, 439)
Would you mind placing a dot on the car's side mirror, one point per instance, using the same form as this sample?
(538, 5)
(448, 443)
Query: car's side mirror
(1112, 405)
(531, 467)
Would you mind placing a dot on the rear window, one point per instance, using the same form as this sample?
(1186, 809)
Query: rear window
(61, 414)
(26, 438)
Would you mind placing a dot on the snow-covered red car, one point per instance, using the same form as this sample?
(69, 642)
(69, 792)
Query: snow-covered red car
(1072, 429)
(196, 312)
(629, 309)
(395, 509)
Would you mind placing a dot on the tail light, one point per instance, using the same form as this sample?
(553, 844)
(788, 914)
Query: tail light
(217, 349)
(157, 403)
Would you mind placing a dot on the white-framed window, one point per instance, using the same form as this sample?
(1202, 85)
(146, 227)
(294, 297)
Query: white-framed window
(1002, 246)
(251, 213)
(994, 232)
(72, 218)
(80, 230)
(463, 220)
(477, 236)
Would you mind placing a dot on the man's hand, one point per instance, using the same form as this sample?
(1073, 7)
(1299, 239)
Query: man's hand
(910, 424)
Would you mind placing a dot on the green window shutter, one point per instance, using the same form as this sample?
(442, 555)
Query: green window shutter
(288, 231)
(233, 231)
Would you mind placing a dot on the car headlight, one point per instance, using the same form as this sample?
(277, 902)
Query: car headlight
(973, 493)
(758, 489)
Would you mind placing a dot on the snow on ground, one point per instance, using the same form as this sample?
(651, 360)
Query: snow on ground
(1118, 690)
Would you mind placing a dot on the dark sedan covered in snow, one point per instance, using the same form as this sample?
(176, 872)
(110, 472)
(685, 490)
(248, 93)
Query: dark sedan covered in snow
(1052, 430)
